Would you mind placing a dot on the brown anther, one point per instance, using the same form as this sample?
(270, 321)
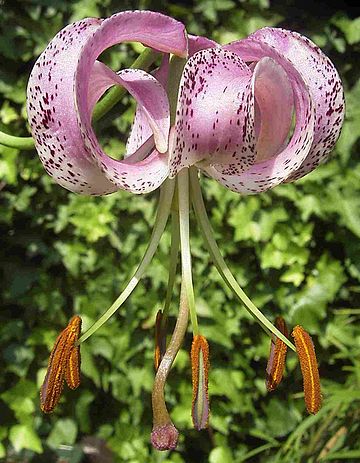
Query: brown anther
(276, 363)
(72, 372)
(59, 366)
(309, 368)
(200, 376)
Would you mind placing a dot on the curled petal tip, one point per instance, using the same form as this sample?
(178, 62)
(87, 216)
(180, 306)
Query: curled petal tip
(164, 437)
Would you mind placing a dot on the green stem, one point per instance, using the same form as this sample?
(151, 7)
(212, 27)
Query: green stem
(20, 143)
(183, 190)
(114, 95)
(166, 195)
(208, 235)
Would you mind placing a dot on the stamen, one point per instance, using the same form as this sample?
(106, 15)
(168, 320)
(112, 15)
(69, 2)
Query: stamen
(219, 262)
(163, 212)
(200, 376)
(309, 368)
(63, 349)
(276, 363)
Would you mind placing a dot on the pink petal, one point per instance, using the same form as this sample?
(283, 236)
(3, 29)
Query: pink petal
(141, 130)
(60, 102)
(324, 84)
(198, 43)
(270, 172)
(274, 97)
(215, 113)
(149, 93)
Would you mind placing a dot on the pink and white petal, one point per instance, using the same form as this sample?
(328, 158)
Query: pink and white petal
(60, 120)
(275, 104)
(271, 172)
(152, 29)
(52, 116)
(215, 113)
(198, 43)
(325, 86)
(151, 97)
(141, 130)
(150, 94)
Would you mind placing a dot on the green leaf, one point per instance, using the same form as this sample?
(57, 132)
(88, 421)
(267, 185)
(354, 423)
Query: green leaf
(63, 433)
(350, 28)
(23, 436)
(220, 455)
(20, 398)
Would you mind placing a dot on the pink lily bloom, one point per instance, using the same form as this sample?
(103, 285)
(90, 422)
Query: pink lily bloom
(252, 114)
(234, 114)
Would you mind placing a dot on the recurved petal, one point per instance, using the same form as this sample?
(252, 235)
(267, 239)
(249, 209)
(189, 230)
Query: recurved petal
(141, 130)
(325, 86)
(60, 102)
(215, 113)
(270, 172)
(147, 91)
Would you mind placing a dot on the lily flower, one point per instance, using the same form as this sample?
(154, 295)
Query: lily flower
(252, 114)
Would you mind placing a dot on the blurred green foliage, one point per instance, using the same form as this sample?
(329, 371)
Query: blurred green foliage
(295, 250)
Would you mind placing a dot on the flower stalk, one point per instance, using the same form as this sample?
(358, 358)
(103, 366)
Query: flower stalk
(20, 143)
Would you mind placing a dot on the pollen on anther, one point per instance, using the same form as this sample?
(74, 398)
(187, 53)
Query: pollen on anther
(276, 363)
(64, 362)
(200, 376)
(309, 369)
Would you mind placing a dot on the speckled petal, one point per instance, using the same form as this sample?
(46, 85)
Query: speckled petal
(324, 83)
(268, 173)
(60, 103)
(215, 113)
(141, 130)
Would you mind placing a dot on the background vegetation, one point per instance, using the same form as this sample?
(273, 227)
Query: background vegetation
(295, 250)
